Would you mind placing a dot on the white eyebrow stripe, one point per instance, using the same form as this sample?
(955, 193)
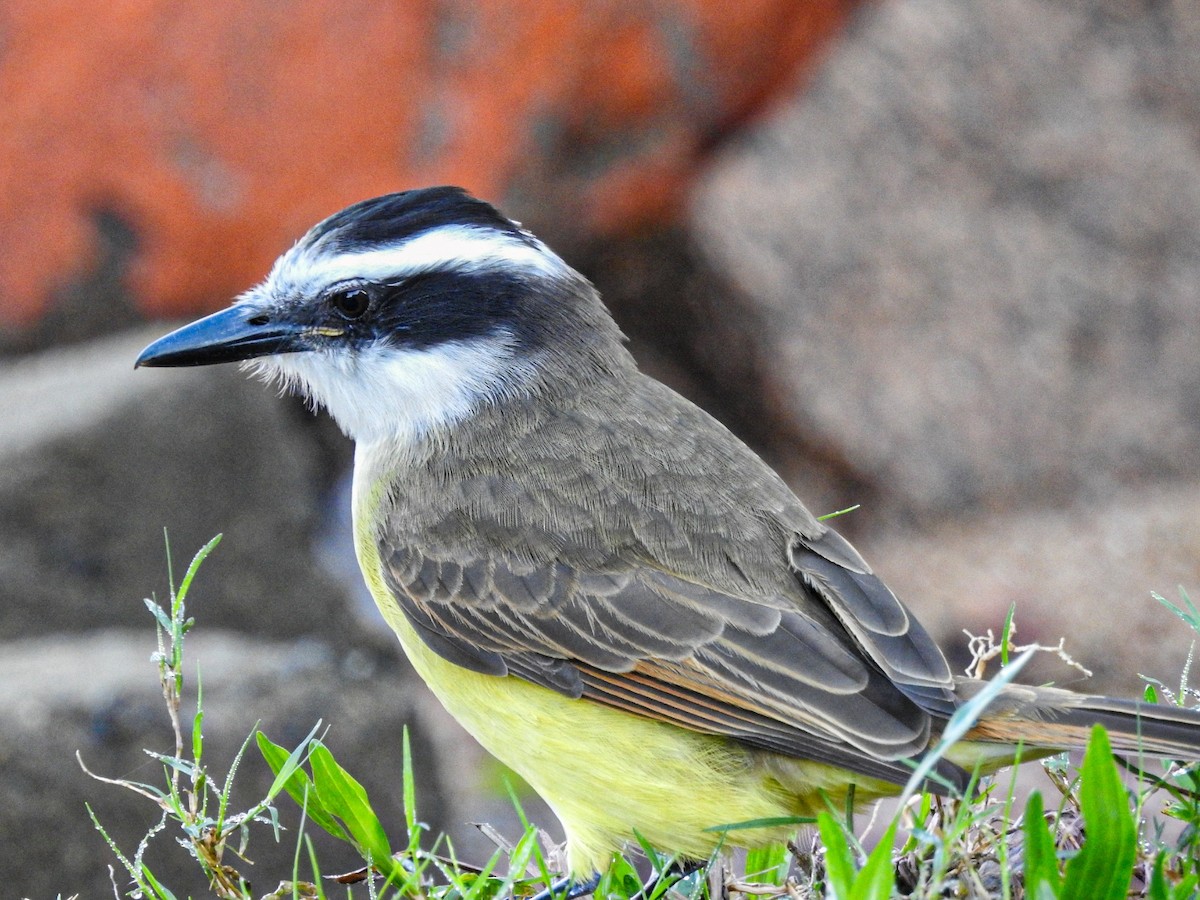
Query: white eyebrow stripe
(452, 247)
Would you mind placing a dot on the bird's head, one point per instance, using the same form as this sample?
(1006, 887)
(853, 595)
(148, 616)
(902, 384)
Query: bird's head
(404, 313)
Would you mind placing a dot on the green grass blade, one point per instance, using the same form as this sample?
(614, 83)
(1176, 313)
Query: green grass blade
(285, 764)
(170, 564)
(346, 799)
(620, 880)
(1190, 615)
(112, 845)
(839, 864)
(199, 558)
(1006, 634)
(1158, 889)
(160, 891)
(1041, 864)
(839, 512)
(657, 860)
(316, 869)
(290, 777)
(410, 790)
(769, 822)
(161, 616)
(878, 875)
(1103, 868)
(1161, 887)
(768, 864)
(198, 721)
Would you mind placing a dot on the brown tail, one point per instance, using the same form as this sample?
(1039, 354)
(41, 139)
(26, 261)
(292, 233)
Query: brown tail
(1056, 719)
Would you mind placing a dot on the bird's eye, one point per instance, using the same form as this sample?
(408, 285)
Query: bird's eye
(350, 303)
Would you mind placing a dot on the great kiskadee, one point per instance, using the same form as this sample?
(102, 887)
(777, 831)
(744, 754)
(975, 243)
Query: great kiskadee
(609, 590)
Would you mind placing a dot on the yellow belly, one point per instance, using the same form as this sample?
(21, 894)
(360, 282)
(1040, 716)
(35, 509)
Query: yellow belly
(606, 772)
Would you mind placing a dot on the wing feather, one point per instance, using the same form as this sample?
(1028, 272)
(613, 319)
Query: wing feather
(659, 645)
(869, 611)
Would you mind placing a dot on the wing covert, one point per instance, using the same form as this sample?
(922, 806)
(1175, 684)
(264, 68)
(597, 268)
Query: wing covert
(656, 644)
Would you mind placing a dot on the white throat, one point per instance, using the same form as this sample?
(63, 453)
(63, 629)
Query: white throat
(400, 395)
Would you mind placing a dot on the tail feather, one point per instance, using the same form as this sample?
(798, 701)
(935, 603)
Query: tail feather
(1050, 718)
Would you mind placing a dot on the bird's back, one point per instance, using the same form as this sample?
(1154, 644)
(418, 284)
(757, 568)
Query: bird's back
(641, 474)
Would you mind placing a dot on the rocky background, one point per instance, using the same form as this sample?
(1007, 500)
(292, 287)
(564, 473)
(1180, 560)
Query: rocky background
(937, 258)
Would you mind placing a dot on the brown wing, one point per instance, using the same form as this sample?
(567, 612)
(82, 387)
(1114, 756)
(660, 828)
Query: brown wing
(840, 674)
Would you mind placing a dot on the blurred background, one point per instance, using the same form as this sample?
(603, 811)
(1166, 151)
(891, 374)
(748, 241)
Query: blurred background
(934, 257)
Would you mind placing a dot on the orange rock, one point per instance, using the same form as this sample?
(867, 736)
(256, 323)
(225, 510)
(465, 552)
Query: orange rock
(219, 132)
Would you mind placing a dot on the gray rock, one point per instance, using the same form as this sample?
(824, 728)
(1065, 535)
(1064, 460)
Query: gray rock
(1083, 572)
(96, 460)
(969, 254)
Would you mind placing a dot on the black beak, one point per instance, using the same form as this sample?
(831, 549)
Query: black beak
(231, 335)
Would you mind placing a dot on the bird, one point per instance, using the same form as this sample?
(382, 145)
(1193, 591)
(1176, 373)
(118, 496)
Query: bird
(611, 592)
